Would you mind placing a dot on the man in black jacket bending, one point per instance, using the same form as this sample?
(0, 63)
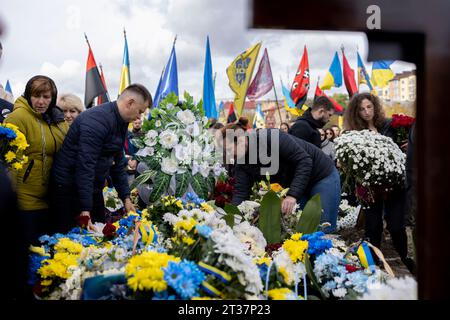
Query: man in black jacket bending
(306, 127)
(294, 164)
(92, 150)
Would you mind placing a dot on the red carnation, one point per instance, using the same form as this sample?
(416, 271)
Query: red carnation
(350, 268)
(83, 221)
(109, 230)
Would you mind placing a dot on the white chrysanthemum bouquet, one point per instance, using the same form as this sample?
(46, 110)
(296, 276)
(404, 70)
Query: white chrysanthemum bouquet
(371, 162)
(178, 150)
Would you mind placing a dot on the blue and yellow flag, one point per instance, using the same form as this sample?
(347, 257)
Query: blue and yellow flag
(289, 104)
(334, 75)
(363, 76)
(239, 75)
(382, 73)
(125, 77)
(365, 256)
(258, 120)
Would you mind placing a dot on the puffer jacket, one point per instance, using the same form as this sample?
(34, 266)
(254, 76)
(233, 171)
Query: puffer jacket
(306, 128)
(45, 136)
(92, 150)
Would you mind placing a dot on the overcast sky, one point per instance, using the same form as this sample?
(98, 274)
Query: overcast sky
(46, 37)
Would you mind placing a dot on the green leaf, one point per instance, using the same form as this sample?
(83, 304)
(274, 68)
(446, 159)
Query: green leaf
(310, 219)
(231, 211)
(160, 186)
(138, 143)
(270, 217)
(312, 276)
(143, 178)
(182, 183)
(211, 182)
(198, 183)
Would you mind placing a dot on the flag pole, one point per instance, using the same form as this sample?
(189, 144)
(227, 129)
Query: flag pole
(276, 101)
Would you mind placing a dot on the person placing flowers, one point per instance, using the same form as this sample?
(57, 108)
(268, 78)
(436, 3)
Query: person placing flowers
(290, 161)
(92, 150)
(365, 112)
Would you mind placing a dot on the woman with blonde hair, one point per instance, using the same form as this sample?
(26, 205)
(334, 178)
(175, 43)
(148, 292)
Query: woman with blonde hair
(71, 105)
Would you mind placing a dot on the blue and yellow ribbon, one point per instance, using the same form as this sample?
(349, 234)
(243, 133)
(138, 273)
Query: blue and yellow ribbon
(209, 289)
(221, 275)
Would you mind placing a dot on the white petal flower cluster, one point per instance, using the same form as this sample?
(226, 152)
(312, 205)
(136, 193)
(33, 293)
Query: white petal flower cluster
(394, 289)
(251, 237)
(232, 253)
(350, 216)
(371, 158)
(248, 208)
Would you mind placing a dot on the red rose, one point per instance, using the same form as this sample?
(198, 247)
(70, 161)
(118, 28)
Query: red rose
(109, 230)
(83, 221)
(350, 268)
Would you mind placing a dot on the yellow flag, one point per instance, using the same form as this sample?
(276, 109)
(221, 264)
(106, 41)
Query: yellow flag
(239, 75)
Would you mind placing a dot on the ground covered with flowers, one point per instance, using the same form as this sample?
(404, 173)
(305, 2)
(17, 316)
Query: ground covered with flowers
(187, 248)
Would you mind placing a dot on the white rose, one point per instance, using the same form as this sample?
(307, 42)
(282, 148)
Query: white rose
(147, 151)
(150, 138)
(168, 139)
(193, 129)
(186, 116)
(182, 153)
(204, 169)
(196, 150)
(218, 169)
(169, 166)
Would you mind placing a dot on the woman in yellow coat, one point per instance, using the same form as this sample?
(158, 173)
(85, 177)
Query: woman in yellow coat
(42, 122)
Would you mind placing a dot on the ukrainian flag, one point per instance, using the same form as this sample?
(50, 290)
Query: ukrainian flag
(382, 73)
(334, 75)
(365, 256)
(125, 77)
(289, 104)
(258, 120)
(363, 77)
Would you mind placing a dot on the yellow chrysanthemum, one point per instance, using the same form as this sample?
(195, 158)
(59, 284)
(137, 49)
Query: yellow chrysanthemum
(279, 294)
(17, 166)
(10, 156)
(296, 236)
(296, 249)
(58, 266)
(46, 283)
(67, 245)
(179, 204)
(188, 240)
(24, 159)
(185, 225)
(206, 207)
(144, 271)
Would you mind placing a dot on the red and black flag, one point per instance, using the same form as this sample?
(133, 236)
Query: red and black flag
(319, 93)
(300, 86)
(104, 97)
(94, 86)
(231, 114)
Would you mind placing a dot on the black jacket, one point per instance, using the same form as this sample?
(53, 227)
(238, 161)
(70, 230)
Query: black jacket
(301, 165)
(306, 128)
(92, 149)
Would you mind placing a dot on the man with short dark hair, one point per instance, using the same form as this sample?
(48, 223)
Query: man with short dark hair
(92, 150)
(314, 118)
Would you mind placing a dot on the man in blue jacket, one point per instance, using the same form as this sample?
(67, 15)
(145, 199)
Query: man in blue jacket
(92, 150)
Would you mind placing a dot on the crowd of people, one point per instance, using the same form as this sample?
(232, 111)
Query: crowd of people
(74, 152)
